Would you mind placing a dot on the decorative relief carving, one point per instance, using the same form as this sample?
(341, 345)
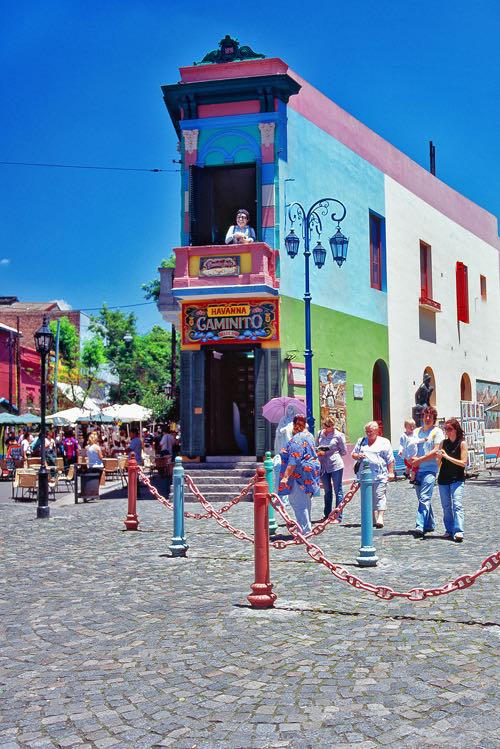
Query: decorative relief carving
(190, 140)
(267, 133)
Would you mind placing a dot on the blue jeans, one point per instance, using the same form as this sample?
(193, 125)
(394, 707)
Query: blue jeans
(451, 501)
(332, 481)
(424, 487)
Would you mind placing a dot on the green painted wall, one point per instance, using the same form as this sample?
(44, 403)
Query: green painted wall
(339, 341)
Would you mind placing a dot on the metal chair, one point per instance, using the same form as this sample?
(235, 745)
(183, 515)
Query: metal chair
(25, 481)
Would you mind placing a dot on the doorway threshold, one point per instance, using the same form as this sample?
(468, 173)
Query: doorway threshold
(230, 458)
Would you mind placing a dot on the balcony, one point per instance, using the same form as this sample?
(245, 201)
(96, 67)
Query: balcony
(216, 271)
(425, 302)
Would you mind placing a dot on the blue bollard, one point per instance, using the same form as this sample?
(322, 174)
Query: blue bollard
(269, 469)
(178, 547)
(367, 552)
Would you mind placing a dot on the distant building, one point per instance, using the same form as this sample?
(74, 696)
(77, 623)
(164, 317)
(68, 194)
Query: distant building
(19, 372)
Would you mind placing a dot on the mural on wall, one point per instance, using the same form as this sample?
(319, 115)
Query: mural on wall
(488, 393)
(332, 396)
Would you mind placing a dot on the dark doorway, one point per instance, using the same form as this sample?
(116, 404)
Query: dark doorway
(216, 193)
(380, 390)
(229, 401)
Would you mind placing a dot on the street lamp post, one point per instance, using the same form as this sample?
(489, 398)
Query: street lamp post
(44, 340)
(311, 222)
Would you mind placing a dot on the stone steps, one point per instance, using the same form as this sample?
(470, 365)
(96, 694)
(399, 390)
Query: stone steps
(220, 481)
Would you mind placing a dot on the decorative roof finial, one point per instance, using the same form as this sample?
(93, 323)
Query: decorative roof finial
(229, 51)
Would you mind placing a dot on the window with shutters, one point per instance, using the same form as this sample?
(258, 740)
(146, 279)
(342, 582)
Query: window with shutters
(377, 252)
(462, 293)
(426, 298)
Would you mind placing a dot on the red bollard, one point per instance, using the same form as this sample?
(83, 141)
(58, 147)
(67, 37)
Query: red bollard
(132, 521)
(262, 596)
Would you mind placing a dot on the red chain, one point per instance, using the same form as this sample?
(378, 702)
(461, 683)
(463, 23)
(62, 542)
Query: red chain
(199, 516)
(154, 491)
(212, 513)
(489, 564)
(320, 527)
(196, 515)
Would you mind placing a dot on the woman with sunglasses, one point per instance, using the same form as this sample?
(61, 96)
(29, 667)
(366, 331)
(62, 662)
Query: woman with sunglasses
(241, 232)
(452, 456)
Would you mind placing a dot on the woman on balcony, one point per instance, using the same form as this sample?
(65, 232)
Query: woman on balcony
(241, 232)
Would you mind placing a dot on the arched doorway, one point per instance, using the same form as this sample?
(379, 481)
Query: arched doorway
(465, 388)
(380, 391)
(432, 399)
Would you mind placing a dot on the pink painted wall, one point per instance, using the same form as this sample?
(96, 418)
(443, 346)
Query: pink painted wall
(245, 69)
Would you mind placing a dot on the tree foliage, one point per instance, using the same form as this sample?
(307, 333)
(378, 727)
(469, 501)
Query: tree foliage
(142, 365)
(78, 368)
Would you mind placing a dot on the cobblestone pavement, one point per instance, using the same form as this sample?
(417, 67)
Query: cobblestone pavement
(107, 641)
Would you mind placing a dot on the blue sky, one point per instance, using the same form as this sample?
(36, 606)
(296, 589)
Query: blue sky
(81, 84)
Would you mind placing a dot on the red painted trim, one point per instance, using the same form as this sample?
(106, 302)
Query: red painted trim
(316, 107)
(428, 303)
(267, 216)
(229, 108)
(244, 69)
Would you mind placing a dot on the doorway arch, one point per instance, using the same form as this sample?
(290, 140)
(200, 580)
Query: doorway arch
(465, 388)
(432, 399)
(380, 395)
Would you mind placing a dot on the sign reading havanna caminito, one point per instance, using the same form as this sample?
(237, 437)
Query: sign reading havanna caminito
(230, 321)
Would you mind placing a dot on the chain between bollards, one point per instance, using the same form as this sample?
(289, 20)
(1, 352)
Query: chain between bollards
(269, 469)
(261, 596)
(132, 521)
(367, 552)
(178, 546)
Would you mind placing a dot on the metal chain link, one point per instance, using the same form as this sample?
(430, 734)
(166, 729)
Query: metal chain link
(196, 515)
(154, 491)
(320, 527)
(212, 512)
(383, 592)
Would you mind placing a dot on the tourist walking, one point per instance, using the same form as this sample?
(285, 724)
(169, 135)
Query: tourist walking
(377, 451)
(331, 446)
(299, 477)
(452, 456)
(430, 437)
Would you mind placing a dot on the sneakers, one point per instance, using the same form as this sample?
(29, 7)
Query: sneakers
(458, 537)
(418, 533)
(336, 521)
(447, 535)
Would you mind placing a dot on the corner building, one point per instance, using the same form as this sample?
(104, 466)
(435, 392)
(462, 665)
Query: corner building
(254, 135)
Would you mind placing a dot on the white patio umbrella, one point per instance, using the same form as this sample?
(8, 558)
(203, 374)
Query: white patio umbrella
(128, 412)
(71, 414)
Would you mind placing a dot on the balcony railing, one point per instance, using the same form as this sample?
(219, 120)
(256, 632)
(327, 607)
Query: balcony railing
(225, 265)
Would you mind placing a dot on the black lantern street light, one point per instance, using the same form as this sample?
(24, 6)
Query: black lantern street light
(168, 390)
(44, 341)
(311, 222)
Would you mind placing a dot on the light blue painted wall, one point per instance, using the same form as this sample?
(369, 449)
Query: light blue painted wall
(322, 167)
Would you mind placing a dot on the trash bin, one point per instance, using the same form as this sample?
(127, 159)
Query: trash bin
(89, 482)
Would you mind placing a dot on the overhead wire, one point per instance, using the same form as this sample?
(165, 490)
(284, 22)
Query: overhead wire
(83, 166)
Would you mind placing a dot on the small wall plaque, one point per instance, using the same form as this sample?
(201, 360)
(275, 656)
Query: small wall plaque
(358, 392)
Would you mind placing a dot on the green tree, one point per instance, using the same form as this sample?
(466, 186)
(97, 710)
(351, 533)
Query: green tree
(142, 364)
(69, 341)
(78, 368)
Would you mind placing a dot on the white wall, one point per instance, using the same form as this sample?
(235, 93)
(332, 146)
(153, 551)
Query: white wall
(459, 347)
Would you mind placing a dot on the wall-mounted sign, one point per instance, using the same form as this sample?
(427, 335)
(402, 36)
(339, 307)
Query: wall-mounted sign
(220, 265)
(230, 321)
(358, 392)
(296, 374)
